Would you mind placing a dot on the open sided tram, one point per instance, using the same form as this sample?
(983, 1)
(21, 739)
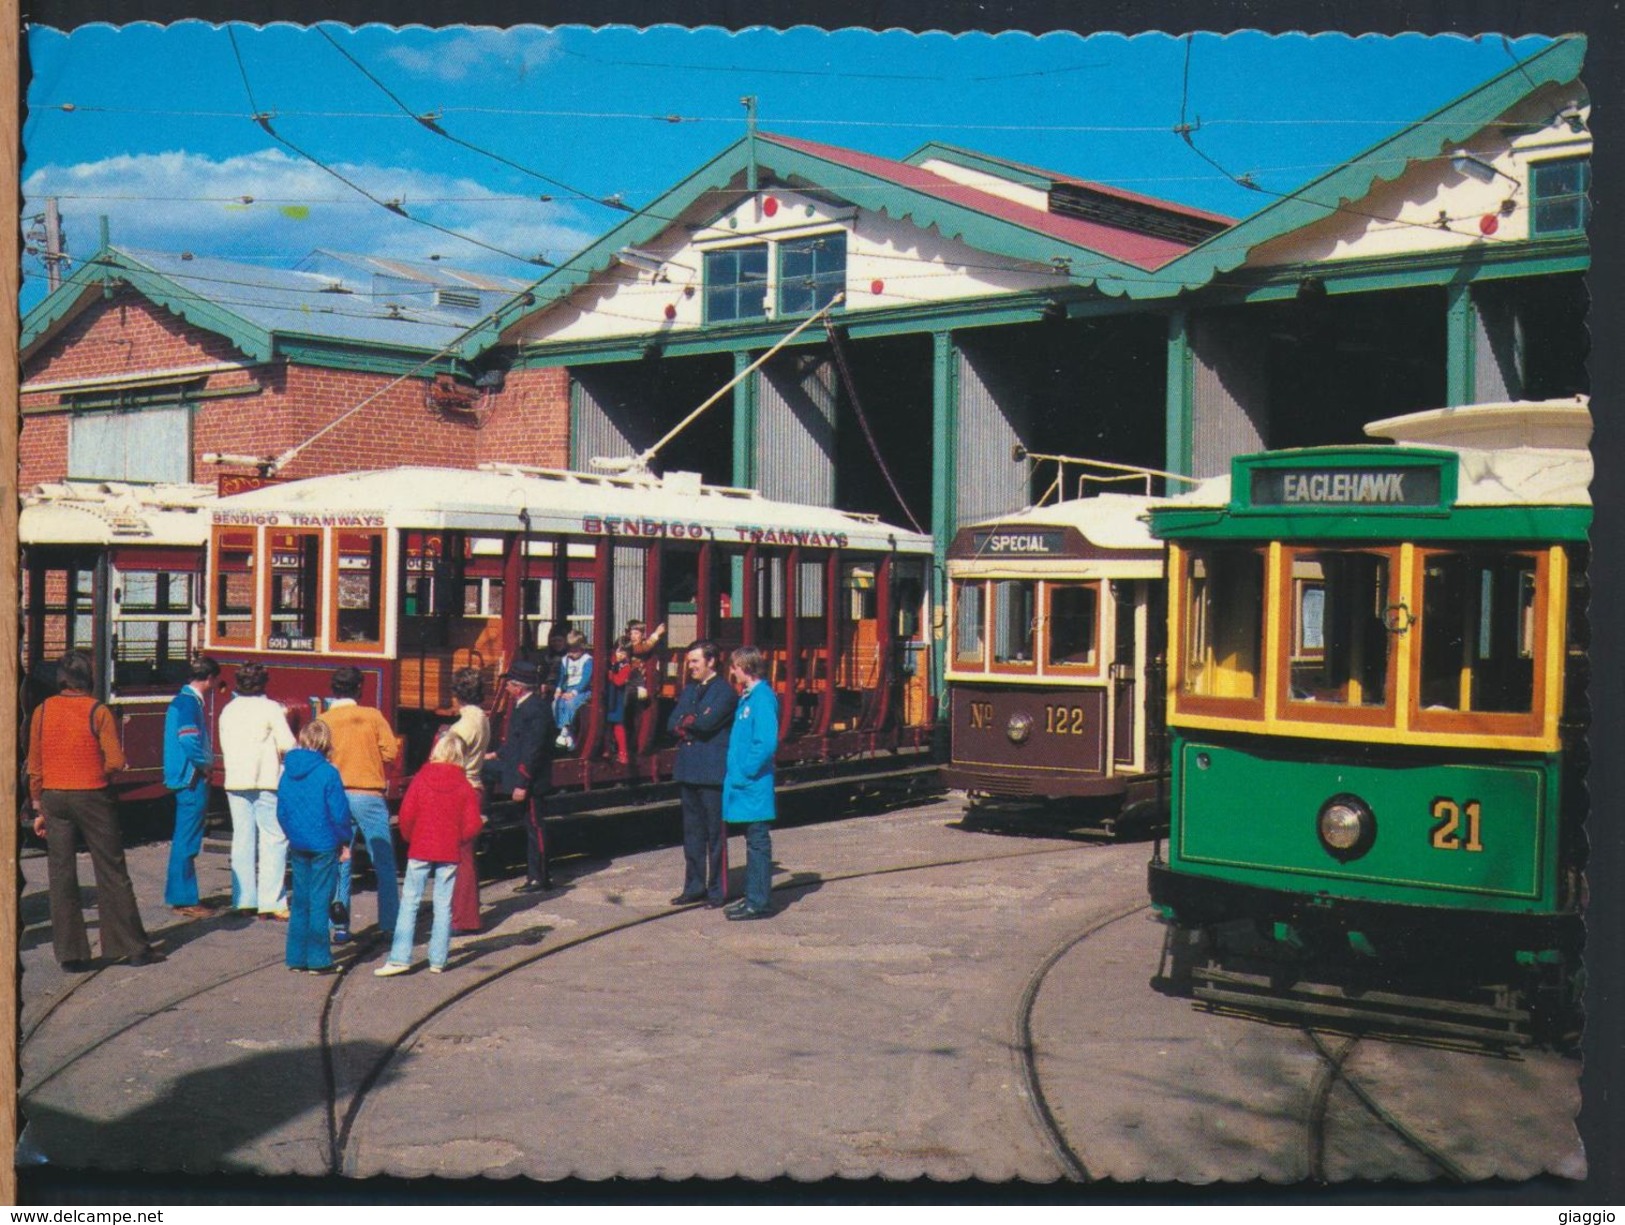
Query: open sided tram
(411, 574)
(1377, 710)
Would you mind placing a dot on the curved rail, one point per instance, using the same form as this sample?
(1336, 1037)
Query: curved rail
(341, 1132)
(1048, 1124)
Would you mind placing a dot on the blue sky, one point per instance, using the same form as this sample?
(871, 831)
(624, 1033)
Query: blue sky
(152, 126)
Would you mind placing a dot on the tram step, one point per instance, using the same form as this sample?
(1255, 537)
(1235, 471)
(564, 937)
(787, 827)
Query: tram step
(1406, 1013)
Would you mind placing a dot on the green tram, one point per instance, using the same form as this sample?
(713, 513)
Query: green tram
(1377, 712)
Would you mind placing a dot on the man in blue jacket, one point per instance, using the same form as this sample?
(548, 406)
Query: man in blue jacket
(521, 770)
(747, 787)
(188, 758)
(701, 722)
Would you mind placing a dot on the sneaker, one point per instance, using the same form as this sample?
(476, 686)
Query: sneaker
(341, 935)
(564, 741)
(437, 969)
(390, 968)
(339, 913)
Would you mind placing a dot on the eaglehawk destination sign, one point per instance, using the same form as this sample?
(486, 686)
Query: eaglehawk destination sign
(1407, 487)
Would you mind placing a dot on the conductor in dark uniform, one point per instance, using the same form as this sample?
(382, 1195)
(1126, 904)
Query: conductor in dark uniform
(521, 769)
(701, 721)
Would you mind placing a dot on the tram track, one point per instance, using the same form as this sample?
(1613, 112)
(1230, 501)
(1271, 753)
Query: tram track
(342, 1117)
(1333, 1071)
(342, 1131)
(1071, 1161)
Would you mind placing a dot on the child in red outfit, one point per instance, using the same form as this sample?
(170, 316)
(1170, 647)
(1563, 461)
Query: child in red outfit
(616, 699)
(441, 811)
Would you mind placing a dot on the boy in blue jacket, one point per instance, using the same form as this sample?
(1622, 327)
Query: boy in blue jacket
(314, 813)
(747, 785)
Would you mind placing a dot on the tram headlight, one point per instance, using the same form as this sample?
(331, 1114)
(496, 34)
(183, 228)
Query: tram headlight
(1346, 826)
(1019, 727)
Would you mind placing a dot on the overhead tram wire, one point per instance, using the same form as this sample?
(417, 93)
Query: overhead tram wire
(263, 119)
(1184, 129)
(430, 121)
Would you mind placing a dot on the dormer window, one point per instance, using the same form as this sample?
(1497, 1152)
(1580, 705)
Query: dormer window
(736, 283)
(786, 276)
(1559, 189)
(811, 272)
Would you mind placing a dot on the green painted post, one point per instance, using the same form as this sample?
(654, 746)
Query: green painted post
(1178, 409)
(744, 465)
(1461, 345)
(944, 496)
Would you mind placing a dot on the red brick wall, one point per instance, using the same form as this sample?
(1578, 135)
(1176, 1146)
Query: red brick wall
(529, 422)
(124, 336)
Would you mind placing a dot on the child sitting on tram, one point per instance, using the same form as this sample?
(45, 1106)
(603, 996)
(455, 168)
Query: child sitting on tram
(574, 686)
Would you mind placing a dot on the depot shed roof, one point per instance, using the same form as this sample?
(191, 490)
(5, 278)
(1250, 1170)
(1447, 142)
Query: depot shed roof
(260, 311)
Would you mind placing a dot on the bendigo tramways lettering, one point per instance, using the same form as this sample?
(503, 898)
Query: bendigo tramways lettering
(672, 529)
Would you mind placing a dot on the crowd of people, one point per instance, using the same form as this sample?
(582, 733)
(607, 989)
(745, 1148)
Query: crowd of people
(300, 804)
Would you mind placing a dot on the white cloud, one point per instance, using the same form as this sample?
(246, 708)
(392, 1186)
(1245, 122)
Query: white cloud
(473, 52)
(185, 201)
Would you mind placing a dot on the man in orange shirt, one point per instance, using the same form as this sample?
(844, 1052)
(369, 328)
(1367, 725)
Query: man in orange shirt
(73, 746)
(363, 746)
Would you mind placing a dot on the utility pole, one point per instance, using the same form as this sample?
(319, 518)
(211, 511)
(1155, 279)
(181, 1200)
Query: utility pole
(749, 103)
(53, 256)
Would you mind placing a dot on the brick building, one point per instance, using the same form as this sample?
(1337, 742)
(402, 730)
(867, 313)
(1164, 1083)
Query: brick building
(142, 364)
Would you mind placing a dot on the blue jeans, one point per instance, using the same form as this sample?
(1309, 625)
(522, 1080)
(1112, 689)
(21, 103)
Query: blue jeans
(758, 864)
(565, 706)
(417, 875)
(313, 875)
(191, 804)
(259, 852)
(370, 816)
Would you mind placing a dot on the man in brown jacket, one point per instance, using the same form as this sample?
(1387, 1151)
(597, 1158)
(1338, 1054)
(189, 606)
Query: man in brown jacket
(73, 746)
(363, 746)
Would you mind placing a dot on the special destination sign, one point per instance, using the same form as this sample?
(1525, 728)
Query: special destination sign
(1013, 542)
(1400, 487)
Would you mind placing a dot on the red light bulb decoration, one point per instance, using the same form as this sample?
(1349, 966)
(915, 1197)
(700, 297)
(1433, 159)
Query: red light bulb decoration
(671, 310)
(770, 206)
(877, 287)
(1488, 224)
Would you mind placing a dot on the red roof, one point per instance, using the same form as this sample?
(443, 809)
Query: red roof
(1055, 176)
(1127, 246)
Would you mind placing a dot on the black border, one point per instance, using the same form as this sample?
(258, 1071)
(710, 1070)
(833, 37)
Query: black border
(1602, 1119)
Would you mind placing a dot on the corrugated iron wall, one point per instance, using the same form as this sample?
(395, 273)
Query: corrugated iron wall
(993, 417)
(628, 580)
(602, 420)
(1230, 391)
(1497, 353)
(796, 398)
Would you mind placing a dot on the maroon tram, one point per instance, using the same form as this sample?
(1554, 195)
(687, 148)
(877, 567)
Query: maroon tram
(413, 573)
(1054, 661)
(116, 570)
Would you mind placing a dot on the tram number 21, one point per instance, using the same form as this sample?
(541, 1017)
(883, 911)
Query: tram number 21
(1452, 818)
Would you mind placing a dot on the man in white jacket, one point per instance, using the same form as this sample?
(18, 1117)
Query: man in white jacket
(254, 734)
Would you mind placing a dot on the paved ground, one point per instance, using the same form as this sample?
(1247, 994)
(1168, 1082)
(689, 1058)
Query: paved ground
(873, 1027)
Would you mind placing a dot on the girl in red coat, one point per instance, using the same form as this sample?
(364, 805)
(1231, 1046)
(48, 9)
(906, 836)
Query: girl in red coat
(440, 813)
